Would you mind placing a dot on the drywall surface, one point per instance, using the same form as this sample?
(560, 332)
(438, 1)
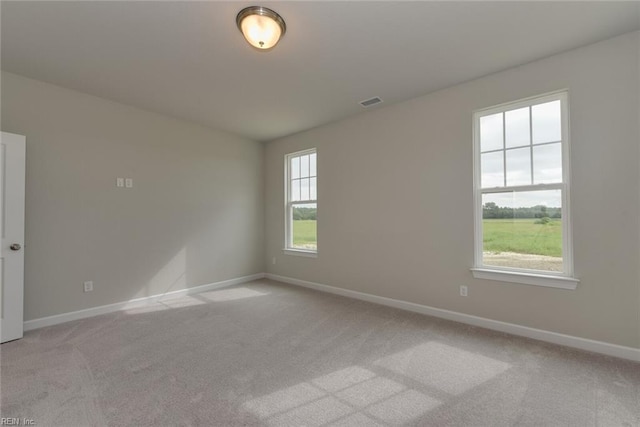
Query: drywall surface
(395, 191)
(194, 215)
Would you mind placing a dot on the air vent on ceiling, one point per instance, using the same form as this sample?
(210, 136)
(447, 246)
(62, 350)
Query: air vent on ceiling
(369, 102)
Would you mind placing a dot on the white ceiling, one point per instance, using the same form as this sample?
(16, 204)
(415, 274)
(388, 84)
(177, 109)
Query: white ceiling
(188, 59)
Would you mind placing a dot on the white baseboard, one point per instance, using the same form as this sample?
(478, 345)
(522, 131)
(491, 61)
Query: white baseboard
(138, 302)
(615, 350)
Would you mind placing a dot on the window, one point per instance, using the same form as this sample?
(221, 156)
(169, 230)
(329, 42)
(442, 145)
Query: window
(521, 156)
(302, 203)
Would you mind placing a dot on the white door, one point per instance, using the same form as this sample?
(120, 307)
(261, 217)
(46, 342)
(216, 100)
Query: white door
(12, 174)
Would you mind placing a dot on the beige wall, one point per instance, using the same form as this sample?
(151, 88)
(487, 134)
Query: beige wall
(395, 198)
(194, 216)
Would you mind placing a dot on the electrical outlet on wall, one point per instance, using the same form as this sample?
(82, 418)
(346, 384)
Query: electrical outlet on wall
(273, 260)
(464, 291)
(88, 286)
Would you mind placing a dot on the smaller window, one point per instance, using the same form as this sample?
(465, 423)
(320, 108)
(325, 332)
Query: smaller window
(301, 202)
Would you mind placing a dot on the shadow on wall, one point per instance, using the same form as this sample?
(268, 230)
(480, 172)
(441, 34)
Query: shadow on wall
(172, 276)
(212, 252)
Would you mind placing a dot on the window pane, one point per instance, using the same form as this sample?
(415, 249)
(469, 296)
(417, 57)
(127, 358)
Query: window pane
(492, 170)
(547, 164)
(517, 127)
(304, 189)
(523, 230)
(312, 164)
(313, 192)
(304, 166)
(295, 190)
(519, 166)
(305, 235)
(491, 132)
(295, 167)
(546, 122)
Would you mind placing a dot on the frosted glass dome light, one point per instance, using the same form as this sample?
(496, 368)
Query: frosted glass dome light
(261, 27)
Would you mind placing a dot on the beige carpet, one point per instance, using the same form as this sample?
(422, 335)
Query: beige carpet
(265, 353)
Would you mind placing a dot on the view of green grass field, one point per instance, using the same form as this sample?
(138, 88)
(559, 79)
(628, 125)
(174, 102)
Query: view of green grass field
(305, 235)
(524, 236)
(520, 236)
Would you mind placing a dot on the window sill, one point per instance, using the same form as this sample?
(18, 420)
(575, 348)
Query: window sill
(300, 252)
(549, 281)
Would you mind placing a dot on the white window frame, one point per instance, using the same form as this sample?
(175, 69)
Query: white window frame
(564, 279)
(289, 205)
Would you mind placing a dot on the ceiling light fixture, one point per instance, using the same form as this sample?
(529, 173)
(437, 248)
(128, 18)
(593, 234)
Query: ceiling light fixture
(261, 27)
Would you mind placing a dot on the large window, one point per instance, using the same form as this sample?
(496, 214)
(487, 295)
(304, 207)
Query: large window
(301, 202)
(522, 192)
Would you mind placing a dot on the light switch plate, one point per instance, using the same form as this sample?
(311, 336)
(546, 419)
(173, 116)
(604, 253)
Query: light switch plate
(128, 182)
(119, 182)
